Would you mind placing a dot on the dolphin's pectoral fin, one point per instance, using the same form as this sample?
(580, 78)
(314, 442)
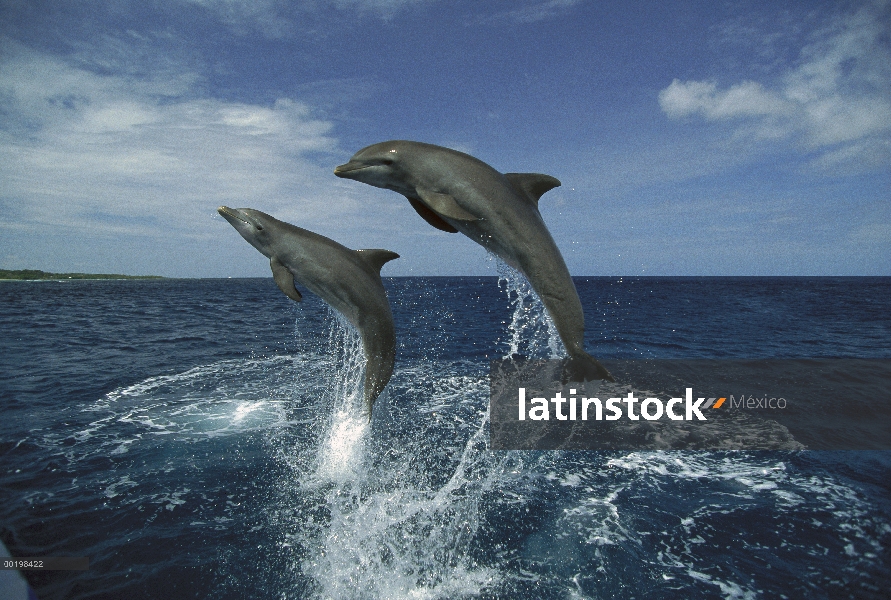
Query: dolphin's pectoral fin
(532, 185)
(430, 216)
(377, 258)
(284, 279)
(445, 205)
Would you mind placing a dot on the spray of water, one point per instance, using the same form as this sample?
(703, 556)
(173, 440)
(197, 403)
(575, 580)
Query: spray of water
(342, 452)
(532, 333)
(398, 508)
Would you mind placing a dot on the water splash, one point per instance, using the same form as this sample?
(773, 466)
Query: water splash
(341, 455)
(532, 332)
(398, 537)
(393, 521)
(401, 513)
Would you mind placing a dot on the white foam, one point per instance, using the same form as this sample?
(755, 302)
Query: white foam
(229, 397)
(730, 590)
(342, 455)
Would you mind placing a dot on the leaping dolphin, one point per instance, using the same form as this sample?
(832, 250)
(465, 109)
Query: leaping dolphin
(348, 280)
(456, 192)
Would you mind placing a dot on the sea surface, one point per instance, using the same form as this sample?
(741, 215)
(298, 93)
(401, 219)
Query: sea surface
(198, 439)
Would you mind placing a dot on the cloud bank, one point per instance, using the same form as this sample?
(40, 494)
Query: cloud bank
(836, 102)
(99, 152)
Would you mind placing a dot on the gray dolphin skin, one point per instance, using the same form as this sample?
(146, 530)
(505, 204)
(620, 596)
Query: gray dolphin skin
(348, 280)
(456, 192)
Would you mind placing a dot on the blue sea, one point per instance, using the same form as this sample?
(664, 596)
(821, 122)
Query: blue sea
(196, 439)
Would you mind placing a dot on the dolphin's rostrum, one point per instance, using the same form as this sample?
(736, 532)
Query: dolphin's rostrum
(456, 192)
(348, 280)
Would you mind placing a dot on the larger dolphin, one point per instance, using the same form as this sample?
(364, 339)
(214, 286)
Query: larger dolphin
(348, 280)
(456, 192)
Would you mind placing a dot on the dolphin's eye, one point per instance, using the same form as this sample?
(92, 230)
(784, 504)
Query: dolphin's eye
(259, 227)
(386, 161)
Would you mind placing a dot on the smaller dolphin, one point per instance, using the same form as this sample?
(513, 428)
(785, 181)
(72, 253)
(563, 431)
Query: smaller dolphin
(456, 192)
(348, 280)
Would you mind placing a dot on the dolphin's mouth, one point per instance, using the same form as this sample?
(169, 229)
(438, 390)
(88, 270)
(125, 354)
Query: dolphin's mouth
(234, 213)
(349, 167)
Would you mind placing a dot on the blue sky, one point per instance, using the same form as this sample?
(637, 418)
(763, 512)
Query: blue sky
(692, 138)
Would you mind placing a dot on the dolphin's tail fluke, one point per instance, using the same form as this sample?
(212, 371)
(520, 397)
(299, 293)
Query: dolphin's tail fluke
(373, 389)
(584, 367)
(380, 351)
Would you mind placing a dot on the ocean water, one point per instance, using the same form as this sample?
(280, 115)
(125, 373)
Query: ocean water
(196, 439)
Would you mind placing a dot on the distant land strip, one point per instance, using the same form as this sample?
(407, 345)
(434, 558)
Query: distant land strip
(33, 274)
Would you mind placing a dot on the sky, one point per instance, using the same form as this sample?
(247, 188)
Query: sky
(690, 137)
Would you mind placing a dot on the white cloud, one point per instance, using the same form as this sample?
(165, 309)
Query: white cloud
(281, 19)
(746, 99)
(268, 17)
(540, 11)
(383, 7)
(93, 153)
(836, 100)
(532, 12)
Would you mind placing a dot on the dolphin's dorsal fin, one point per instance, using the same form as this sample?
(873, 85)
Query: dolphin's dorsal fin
(376, 258)
(532, 185)
(445, 205)
(430, 216)
(284, 279)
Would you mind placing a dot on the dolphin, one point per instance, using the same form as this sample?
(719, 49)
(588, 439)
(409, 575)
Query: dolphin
(348, 280)
(456, 192)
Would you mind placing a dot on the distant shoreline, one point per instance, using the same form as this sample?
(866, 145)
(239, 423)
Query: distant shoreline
(36, 275)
